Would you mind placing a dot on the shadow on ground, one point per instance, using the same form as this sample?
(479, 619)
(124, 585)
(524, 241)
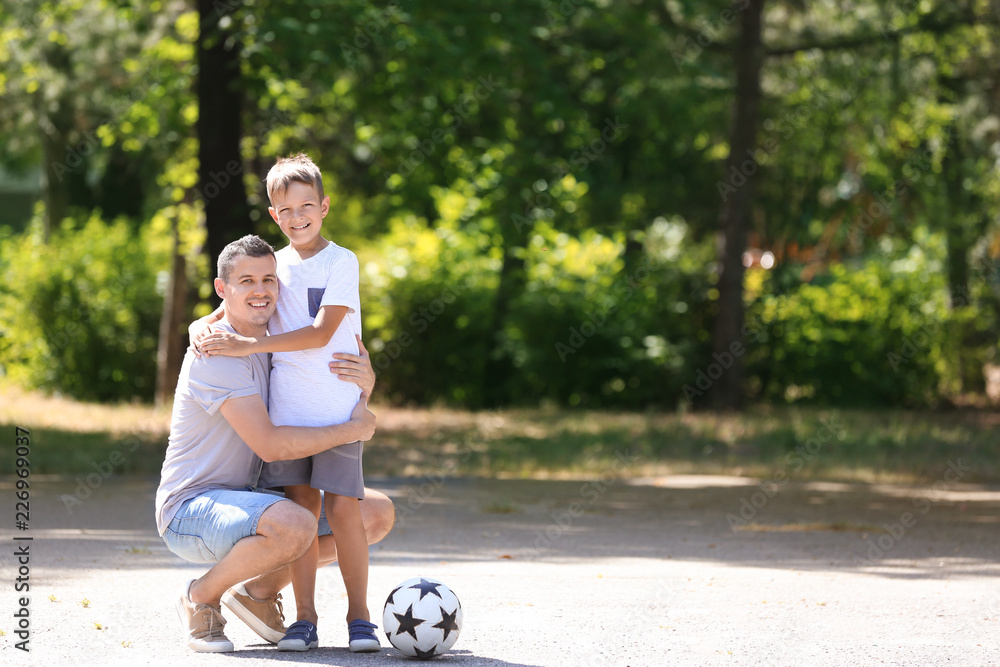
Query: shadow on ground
(886, 530)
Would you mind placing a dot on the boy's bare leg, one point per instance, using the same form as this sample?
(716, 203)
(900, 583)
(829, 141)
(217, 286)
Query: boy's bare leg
(303, 569)
(344, 515)
(283, 534)
(378, 516)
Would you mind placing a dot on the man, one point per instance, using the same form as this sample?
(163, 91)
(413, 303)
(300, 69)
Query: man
(207, 509)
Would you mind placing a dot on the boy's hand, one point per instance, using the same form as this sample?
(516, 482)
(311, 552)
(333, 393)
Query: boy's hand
(356, 368)
(227, 344)
(197, 332)
(364, 418)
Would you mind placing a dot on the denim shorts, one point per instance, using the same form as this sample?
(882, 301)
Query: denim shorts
(206, 527)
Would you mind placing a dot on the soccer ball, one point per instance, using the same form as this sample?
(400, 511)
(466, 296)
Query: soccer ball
(422, 618)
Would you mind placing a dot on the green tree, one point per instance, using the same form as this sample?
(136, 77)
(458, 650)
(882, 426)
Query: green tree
(71, 71)
(572, 114)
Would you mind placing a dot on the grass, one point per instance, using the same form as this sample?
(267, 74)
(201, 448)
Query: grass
(70, 437)
(766, 442)
(836, 526)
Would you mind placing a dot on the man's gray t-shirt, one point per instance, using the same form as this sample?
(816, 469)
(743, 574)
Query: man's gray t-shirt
(203, 451)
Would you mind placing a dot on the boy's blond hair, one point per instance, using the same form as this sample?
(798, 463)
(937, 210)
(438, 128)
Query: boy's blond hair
(295, 168)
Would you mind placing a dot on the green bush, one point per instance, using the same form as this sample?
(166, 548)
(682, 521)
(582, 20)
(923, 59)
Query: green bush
(878, 332)
(595, 331)
(587, 330)
(80, 313)
(425, 297)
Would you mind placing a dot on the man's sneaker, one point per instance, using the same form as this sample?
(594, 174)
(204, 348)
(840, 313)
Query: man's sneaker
(265, 617)
(203, 623)
(301, 636)
(362, 636)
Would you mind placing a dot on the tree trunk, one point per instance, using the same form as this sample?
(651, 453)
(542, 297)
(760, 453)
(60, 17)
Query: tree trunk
(499, 368)
(726, 393)
(55, 194)
(959, 234)
(170, 352)
(220, 165)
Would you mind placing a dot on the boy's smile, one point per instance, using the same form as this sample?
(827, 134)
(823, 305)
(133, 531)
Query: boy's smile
(299, 212)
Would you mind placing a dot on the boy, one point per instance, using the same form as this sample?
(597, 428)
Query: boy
(318, 312)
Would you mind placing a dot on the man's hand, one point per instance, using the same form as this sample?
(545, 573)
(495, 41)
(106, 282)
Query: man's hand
(227, 344)
(356, 368)
(364, 418)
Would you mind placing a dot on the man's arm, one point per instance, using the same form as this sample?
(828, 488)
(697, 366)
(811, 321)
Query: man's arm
(248, 417)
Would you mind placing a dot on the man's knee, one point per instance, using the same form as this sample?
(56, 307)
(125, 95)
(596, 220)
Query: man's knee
(291, 526)
(378, 514)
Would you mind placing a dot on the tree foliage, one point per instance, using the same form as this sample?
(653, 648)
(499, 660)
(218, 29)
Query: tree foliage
(80, 311)
(531, 158)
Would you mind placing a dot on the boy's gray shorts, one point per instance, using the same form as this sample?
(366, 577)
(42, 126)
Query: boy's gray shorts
(337, 470)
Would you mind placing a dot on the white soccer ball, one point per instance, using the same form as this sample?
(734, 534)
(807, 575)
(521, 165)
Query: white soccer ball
(422, 618)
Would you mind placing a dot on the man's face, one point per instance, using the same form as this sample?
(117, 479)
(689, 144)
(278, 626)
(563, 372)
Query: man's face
(251, 292)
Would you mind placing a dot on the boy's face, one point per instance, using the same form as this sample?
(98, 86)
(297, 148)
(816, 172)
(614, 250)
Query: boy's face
(299, 212)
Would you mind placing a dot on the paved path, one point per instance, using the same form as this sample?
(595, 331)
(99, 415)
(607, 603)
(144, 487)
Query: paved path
(647, 572)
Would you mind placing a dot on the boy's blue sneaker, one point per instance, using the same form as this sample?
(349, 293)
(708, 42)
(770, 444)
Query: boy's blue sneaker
(301, 636)
(362, 636)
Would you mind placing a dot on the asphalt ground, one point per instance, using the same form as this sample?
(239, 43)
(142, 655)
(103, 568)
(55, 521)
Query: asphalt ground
(581, 572)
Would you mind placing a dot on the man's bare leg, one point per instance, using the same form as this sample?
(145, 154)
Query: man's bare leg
(377, 513)
(284, 532)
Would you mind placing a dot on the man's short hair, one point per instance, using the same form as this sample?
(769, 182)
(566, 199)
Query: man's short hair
(297, 168)
(250, 245)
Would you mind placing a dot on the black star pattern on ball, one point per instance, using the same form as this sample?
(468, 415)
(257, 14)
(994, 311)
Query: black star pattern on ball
(426, 587)
(389, 600)
(407, 623)
(425, 655)
(447, 622)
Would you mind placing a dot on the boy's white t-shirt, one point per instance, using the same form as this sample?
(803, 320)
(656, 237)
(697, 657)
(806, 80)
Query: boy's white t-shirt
(303, 390)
